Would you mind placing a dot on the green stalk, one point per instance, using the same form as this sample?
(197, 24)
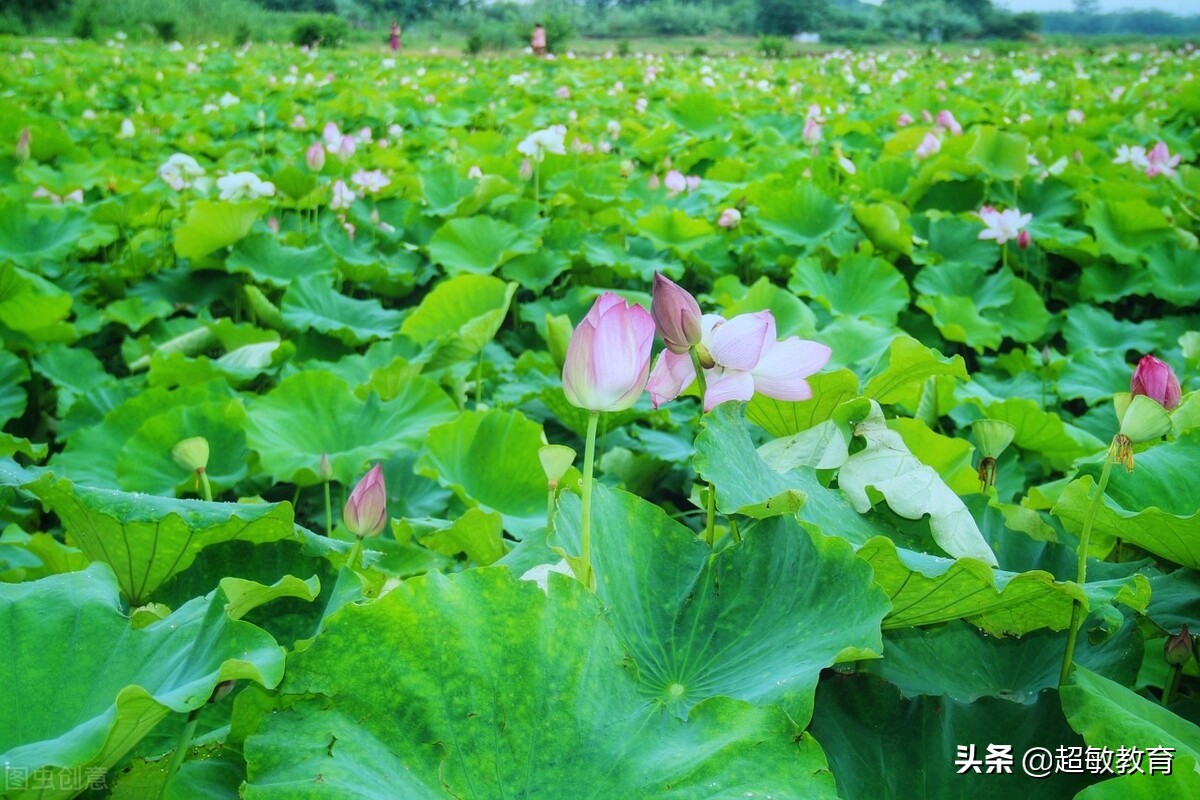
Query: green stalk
(205, 485)
(1174, 673)
(328, 512)
(355, 553)
(710, 515)
(181, 750)
(589, 457)
(550, 508)
(699, 374)
(1089, 519)
(733, 530)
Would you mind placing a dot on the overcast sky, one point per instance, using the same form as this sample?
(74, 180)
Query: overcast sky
(1181, 7)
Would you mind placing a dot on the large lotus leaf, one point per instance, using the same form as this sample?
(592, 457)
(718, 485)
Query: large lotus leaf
(1182, 781)
(901, 376)
(1043, 432)
(317, 413)
(267, 260)
(312, 304)
(462, 314)
(28, 239)
(490, 459)
(673, 229)
(785, 418)
(1002, 155)
(886, 225)
(1092, 328)
(860, 286)
(1094, 377)
(954, 241)
(478, 685)
(478, 245)
(13, 373)
(33, 306)
(757, 621)
(145, 539)
(1127, 228)
(700, 113)
(882, 745)
(83, 686)
(792, 316)
(1176, 279)
(802, 217)
(910, 488)
(213, 225)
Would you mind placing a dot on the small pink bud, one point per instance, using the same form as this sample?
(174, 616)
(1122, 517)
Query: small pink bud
(812, 132)
(315, 157)
(945, 119)
(904, 120)
(1156, 380)
(22, 149)
(346, 149)
(676, 315)
(653, 183)
(1024, 240)
(475, 173)
(730, 218)
(365, 513)
(926, 117)
(526, 170)
(273, 224)
(608, 359)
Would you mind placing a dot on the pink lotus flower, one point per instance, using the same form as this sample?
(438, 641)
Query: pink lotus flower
(608, 358)
(343, 196)
(812, 132)
(945, 119)
(365, 512)
(298, 123)
(1160, 161)
(904, 120)
(926, 117)
(332, 136)
(675, 182)
(1002, 225)
(58, 200)
(730, 218)
(928, 146)
(314, 156)
(370, 181)
(346, 148)
(1156, 380)
(745, 358)
(475, 173)
(676, 315)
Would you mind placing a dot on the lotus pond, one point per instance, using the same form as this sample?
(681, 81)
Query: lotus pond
(328, 466)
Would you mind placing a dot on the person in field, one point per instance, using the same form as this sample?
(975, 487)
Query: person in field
(538, 40)
(394, 38)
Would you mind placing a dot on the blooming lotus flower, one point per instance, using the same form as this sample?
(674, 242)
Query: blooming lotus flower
(1135, 155)
(1002, 225)
(1075, 116)
(675, 182)
(58, 200)
(608, 359)
(562, 93)
(547, 140)
(745, 358)
(365, 512)
(244, 185)
(1156, 380)
(928, 146)
(1160, 161)
(179, 171)
(298, 123)
(314, 156)
(676, 315)
(904, 120)
(945, 119)
(332, 136)
(812, 132)
(228, 100)
(343, 196)
(730, 218)
(370, 181)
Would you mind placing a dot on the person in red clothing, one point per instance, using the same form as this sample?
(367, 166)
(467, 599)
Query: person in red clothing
(394, 39)
(538, 40)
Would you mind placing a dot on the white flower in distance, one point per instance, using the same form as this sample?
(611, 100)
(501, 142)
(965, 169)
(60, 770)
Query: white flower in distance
(228, 100)
(179, 171)
(547, 140)
(370, 182)
(343, 196)
(244, 186)
(127, 130)
(1002, 225)
(1135, 155)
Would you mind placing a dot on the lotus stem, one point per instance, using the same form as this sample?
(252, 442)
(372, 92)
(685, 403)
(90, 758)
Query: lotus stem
(355, 553)
(1174, 673)
(550, 507)
(1089, 519)
(328, 511)
(733, 530)
(205, 486)
(710, 515)
(181, 750)
(589, 458)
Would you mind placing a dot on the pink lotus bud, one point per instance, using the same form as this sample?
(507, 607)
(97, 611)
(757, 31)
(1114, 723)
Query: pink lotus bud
(676, 314)
(652, 183)
(1177, 650)
(946, 120)
(346, 149)
(730, 218)
(926, 117)
(608, 359)
(526, 170)
(315, 157)
(904, 120)
(273, 224)
(365, 513)
(675, 182)
(928, 146)
(298, 122)
(22, 149)
(331, 135)
(1024, 240)
(562, 93)
(475, 173)
(1156, 380)
(812, 132)
(693, 182)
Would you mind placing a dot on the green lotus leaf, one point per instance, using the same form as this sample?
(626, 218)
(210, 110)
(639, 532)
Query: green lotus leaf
(1092, 328)
(29, 238)
(785, 418)
(213, 225)
(462, 315)
(1174, 272)
(13, 373)
(317, 413)
(124, 680)
(735, 623)
(473, 686)
(490, 459)
(802, 217)
(145, 539)
(901, 377)
(311, 304)
(1127, 228)
(886, 225)
(1002, 155)
(478, 245)
(1043, 432)
(267, 260)
(673, 229)
(953, 241)
(792, 316)
(860, 286)
(34, 307)
(700, 113)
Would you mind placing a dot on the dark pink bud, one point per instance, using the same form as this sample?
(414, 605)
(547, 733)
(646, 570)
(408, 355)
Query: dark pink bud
(1024, 240)
(365, 513)
(1156, 380)
(1177, 649)
(676, 315)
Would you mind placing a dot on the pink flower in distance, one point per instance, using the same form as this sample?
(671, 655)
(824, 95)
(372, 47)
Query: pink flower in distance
(676, 315)
(812, 131)
(332, 136)
(314, 156)
(1002, 225)
(730, 218)
(608, 358)
(1155, 379)
(746, 359)
(1160, 161)
(945, 119)
(928, 146)
(365, 512)
(904, 120)
(675, 182)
